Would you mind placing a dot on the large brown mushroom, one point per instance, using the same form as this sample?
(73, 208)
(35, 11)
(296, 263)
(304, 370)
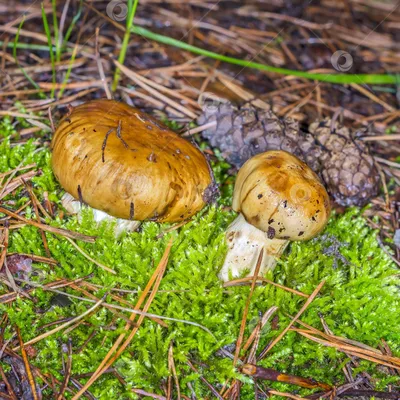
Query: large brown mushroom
(125, 164)
(279, 199)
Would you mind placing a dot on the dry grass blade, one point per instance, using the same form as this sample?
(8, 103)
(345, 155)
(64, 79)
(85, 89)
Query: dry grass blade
(13, 184)
(28, 370)
(48, 228)
(10, 297)
(246, 309)
(172, 368)
(115, 350)
(65, 325)
(297, 316)
(102, 266)
(3, 254)
(35, 202)
(130, 74)
(247, 280)
(287, 395)
(373, 97)
(67, 372)
(36, 258)
(212, 389)
(373, 356)
(338, 339)
(100, 67)
(243, 93)
(267, 315)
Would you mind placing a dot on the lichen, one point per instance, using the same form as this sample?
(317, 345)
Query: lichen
(360, 299)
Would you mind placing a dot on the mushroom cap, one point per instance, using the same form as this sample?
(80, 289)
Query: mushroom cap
(281, 195)
(119, 160)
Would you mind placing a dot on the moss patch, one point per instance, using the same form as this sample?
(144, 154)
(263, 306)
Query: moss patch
(360, 299)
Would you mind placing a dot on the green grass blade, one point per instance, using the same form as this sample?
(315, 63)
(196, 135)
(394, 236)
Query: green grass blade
(52, 59)
(56, 31)
(34, 84)
(380, 79)
(68, 73)
(25, 46)
(73, 23)
(132, 6)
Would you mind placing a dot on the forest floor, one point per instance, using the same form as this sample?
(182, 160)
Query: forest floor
(323, 323)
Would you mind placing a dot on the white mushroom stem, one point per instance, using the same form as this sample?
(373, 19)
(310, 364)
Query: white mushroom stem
(244, 245)
(74, 206)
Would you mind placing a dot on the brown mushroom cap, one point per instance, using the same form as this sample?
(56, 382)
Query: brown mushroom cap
(281, 195)
(119, 160)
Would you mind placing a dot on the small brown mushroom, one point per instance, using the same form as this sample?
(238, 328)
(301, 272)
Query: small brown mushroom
(123, 163)
(280, 199)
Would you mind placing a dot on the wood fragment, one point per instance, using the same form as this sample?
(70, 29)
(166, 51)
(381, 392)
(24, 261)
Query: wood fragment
(276, 376)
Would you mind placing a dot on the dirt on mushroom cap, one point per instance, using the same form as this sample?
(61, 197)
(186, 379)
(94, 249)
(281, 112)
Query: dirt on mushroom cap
(121, 161)
(281, 195)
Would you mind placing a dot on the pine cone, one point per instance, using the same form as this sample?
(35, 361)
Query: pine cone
(348, 169)
(342, 161)
(242, 133)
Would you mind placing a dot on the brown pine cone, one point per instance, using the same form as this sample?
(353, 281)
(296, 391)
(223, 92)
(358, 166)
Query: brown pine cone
(347, 167)
(242, 133)
(341, 160)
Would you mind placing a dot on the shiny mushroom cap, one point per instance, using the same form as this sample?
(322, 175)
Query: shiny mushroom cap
(119, 160)
(280, 195)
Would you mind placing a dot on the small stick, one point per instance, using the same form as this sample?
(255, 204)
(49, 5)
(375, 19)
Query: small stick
(28, 370)
(48, 228)
(270, 374)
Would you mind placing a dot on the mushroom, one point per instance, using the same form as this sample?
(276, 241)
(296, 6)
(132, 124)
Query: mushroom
(279, 199)
(124, 164)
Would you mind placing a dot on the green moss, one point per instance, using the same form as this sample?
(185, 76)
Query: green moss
(360, 299)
